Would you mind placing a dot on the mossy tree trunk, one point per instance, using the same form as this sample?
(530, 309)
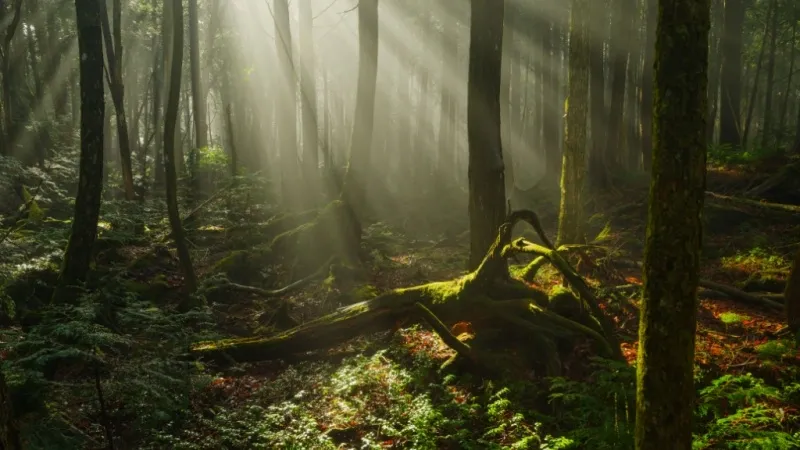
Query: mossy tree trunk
(624, 29)
(487, 197)
(731, 74)
(170, 125)
(78, 254)
(355, 178)
(664, 406)
(573, 166)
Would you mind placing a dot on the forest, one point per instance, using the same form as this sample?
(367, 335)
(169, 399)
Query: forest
(405, 224)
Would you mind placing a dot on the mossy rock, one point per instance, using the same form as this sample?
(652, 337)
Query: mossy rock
(27, 293)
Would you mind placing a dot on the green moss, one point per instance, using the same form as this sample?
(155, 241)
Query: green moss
(365, 292)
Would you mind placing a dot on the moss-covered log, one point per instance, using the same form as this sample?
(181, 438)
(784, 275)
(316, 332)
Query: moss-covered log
(487, 295)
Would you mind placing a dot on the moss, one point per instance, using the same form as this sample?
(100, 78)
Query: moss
(152, 290)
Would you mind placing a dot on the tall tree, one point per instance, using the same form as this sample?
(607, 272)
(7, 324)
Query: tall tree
(731, 74)
(170, 124)
(9, 14)
(487, 198)
(78, 253)
(624, 29)
(665, 386)
(287, 112)
(355, 179)
(113, 47)
(308, 88)
(646, 104)
(573, 166)
(198, 91)
(767, 129)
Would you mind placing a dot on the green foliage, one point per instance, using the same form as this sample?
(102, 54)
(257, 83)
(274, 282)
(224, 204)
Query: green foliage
(724, 155)
(367, 402)
(136, 353)
(730, 318)
(743, 412)
(596, 414)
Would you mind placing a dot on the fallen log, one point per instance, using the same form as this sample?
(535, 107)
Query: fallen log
(486, 296)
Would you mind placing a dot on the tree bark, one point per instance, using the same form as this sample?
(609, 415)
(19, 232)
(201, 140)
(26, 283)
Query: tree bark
(287, 112)
(624, 30)
(665, 388)
(355, 179)
(487, 199)
(791, 295)
(731, 74)
(199, 113)
(573, 172)
(308, 88)
(751, 104)
(78, 253)
(113, 48)
(170, 124)
(767, 129)
(646, 105)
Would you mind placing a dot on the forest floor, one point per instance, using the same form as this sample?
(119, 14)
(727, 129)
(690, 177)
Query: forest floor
(387, 390)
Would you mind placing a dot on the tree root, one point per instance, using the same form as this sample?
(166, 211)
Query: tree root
(485, 295)
(289, 288)
(737, 294)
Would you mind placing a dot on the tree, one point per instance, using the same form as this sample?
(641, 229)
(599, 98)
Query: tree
(308, 87)
(78, 254)
(487, 197)
(625, 28)
(198, 92)
(355, 179)
(9, 124)
(287, 112)
(170, 124)
(791, 295)
(115, 85)
(573, 168)
(665, 388)
(731, 95)
(646, 104)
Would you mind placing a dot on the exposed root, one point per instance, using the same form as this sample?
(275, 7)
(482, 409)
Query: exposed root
(289, 288)
(488, 294)
(737, 294)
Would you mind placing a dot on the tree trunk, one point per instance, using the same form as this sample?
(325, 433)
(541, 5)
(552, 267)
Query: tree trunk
(287, 113)
(9, 123)
(767, 129)
(665, 388)
(633, 133)
(754, 92)
(170, 123)
(791, 296)
(787, 92)
(715, 63)
(731, 74)
(78, 253)
(309, 101)
(598, 162)
(199, 113)
(487, 199)
(624, 29)
(355, 179)
(573, 172)
(646, 105)
(113, 48)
